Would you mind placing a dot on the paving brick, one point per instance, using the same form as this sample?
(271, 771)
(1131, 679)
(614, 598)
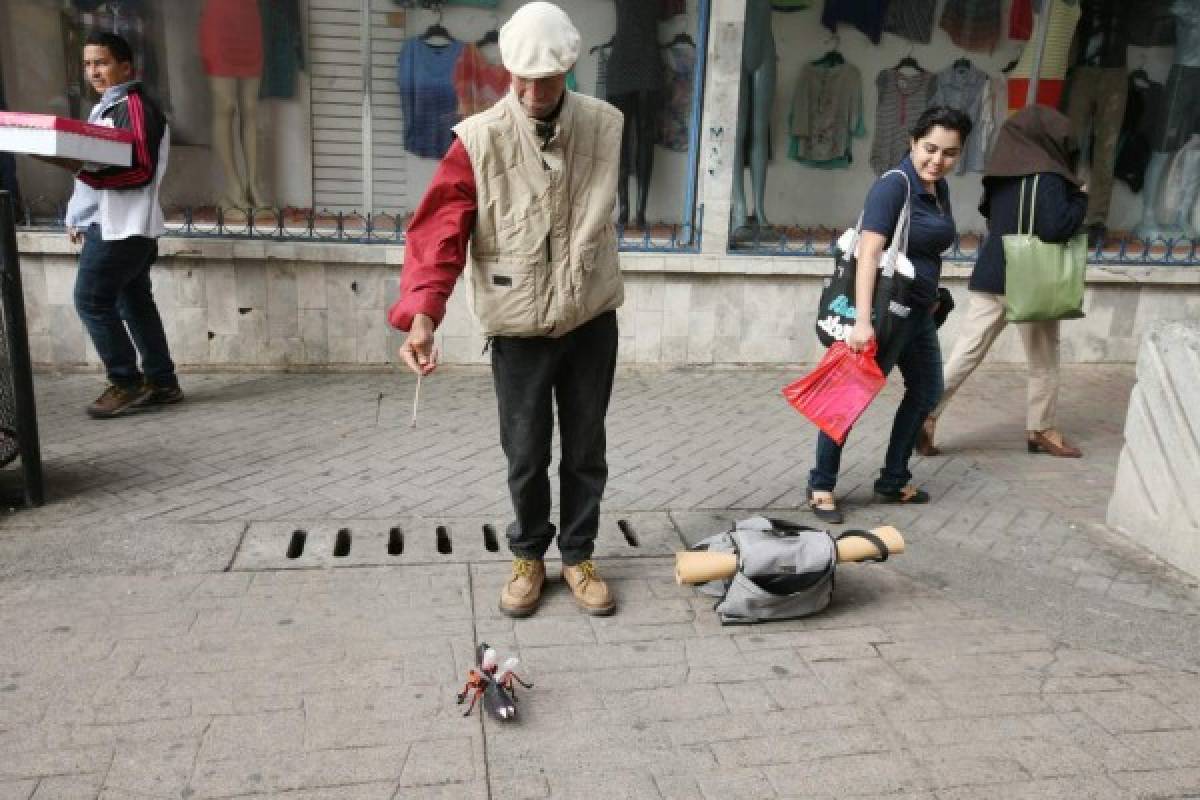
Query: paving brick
(947, 766)
(1046, 789)
(1122, 711)
(72, 787)
(779, 748)
(731, 783)
(286, 772)
(617, 784)
(848, 776)
(156, 769)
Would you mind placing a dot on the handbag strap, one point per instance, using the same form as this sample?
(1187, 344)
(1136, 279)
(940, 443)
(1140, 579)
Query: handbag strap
(1032, 205)
(903, 225)
(900, 232)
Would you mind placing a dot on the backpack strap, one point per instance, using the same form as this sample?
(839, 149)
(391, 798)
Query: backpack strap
(880, 545)
(785, 526)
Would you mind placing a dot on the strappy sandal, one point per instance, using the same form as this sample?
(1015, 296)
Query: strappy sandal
(908, 495)
(824, 507)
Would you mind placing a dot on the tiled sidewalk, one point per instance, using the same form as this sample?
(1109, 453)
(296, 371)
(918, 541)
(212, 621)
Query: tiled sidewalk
(152, 647)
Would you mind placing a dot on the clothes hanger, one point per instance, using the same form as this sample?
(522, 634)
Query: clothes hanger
(437, 29)
(909, 61)
(604, 46)
(492, 36)
(680, 38)
(1139, 76)
(833, 57)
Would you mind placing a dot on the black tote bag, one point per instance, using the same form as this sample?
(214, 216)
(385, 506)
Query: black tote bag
(892, 307)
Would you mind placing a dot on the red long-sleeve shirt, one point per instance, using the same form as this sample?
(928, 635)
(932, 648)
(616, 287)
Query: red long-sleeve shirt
(436, 242)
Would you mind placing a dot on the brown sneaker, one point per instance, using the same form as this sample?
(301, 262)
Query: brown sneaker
(115, 401)
(591, 592)
(523, 592)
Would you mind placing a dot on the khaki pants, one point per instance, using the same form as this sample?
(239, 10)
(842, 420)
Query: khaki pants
(983, 323)
(1096, 105)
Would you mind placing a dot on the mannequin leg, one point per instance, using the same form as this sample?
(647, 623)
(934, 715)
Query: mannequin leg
(224, 96)
(248, 111)
(739, 151)
(764, 96)
(1155, 173)
(627, 104)
(1110, 112)
(1081, 111)
(1191, 182)
(649, 104)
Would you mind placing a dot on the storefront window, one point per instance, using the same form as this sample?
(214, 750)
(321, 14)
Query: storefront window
(328, 114)
(830, 87)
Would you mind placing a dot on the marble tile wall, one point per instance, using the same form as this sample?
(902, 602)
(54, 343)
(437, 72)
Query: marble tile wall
(296, 307)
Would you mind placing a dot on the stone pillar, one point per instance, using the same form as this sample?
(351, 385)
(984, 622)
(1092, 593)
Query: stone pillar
(1156, 497)
(719, 121)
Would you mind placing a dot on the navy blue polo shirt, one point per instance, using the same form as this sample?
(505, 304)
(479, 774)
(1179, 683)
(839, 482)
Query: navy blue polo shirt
(932, 229)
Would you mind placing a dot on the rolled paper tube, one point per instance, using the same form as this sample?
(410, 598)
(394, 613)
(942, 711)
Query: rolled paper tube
(692, 567)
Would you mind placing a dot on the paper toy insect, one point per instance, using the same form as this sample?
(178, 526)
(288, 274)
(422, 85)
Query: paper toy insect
(494, 684)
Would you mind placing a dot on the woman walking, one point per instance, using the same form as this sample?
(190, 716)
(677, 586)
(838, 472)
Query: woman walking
(935, 145)
(1034, 142)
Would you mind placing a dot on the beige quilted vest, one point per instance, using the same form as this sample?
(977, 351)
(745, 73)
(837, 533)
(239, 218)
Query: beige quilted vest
(543, 256)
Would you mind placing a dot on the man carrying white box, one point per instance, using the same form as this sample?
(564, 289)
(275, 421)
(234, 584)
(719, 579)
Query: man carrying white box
(115, 212)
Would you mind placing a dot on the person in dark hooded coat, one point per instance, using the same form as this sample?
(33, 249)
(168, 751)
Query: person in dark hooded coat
(1036, 141)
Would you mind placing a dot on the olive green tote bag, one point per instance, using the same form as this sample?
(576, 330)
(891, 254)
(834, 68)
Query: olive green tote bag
(1042, 280)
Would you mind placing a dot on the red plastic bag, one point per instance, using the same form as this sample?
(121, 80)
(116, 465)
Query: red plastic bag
(838, 391)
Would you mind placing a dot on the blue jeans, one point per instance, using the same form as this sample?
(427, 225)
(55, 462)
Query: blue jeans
(920, 362)
(532, 375)
(112, 291)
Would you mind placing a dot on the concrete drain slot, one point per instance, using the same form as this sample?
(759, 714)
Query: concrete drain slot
(443, 541)
(489, 539)
(296, 544)
(341, 544)
(395, 542)
(628, 532)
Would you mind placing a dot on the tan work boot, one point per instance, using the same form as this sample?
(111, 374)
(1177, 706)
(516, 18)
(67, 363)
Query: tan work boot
(591, 592)
(523, 592)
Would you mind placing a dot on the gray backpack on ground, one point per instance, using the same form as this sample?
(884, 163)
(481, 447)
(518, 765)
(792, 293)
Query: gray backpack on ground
(784, 570)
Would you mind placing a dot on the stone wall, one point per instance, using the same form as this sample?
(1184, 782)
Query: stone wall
(229, 303)
(1156, 497)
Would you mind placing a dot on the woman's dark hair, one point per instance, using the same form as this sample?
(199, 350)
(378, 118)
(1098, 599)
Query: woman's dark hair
(941, 116)
(116, 45)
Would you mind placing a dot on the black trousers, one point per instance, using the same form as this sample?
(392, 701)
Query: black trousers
(531, 375)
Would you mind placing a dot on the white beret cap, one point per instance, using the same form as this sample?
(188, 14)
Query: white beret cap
(539, 40)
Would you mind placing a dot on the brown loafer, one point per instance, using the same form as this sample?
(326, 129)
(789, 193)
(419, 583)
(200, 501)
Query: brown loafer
(925, 445)
(1052, 443)
(591, 592)
(523, 592)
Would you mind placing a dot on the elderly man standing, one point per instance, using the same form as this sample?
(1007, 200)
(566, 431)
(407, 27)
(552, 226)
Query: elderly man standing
(531, 184)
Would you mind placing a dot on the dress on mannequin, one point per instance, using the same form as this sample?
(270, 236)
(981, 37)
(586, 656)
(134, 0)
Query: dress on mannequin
(754, 112)
(634, 76)
(1064, 16)
(1096, 98)
(231, 51)
(1182, 122)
